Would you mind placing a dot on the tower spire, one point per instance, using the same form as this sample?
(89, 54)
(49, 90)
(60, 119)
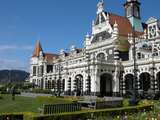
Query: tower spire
(37, 50)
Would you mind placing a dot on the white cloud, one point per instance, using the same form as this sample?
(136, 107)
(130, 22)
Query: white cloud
(7, 47)
(17, 59)
(29, 47)
(15, 47)
(13, 64)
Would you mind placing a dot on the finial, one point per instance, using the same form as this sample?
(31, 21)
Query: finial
(115, 29)
(62, 51)
(115, 24)
(100, 6)
(93, 23)
(87, 35)
(107, 17)
(72, 48)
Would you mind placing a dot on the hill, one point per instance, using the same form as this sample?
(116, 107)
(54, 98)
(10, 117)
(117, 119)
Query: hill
(13, 76)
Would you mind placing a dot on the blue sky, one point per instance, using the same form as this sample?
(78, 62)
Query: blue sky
(57, 23)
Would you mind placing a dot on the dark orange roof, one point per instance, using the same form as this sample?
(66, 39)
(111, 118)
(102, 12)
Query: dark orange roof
(49, 57)
(124, 25)
(37, 49)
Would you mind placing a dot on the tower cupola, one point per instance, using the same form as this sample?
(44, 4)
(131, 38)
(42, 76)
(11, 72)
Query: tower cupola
(132, 12)
(132, 8)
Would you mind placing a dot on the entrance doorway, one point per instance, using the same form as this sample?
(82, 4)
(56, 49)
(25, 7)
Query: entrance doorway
(129, 83)
(106, 85)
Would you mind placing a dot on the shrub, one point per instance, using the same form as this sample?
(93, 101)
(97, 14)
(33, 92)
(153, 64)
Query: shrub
(17, 116)
(41, 91)
(145, 102)
(1, 96)
(125, 103)
(105, 114)
(10, 116)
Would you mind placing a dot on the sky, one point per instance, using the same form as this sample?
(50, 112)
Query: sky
(56, 23)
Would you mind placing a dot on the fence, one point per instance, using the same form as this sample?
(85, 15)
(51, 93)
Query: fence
(108, 104)
(60, 108)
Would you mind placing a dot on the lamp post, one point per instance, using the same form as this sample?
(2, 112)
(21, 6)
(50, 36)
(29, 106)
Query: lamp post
(133, 99)
(153, 68)
(121, 71)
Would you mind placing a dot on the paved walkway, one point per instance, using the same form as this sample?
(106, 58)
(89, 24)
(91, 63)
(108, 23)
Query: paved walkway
(33, 94)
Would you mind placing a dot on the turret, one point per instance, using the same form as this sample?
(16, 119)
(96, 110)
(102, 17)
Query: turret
(132, 12)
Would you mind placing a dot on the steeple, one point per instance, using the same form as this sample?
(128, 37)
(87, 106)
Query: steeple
(132, 12)
(38, 50)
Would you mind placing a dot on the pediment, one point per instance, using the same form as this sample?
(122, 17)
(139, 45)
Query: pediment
(151, 20)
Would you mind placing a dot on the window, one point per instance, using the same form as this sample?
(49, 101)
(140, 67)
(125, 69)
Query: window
(143, 56)
(138, 55)
(152, 31)
(129, 11)
(41, 70)
(110, 52)
(101, 56)
(136, 11)
(34, 70)
(155, 52)
(49, 68)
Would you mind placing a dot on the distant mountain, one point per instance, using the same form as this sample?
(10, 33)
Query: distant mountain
(13, 76)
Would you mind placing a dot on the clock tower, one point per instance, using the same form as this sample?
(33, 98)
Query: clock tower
(132, 12)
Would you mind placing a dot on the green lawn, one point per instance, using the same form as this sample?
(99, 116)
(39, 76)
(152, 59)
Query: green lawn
(26, 104)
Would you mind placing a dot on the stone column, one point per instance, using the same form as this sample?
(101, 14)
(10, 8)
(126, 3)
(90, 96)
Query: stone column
(138, 83)
(156, 83)
(116, 78)
(123, 85)
(66, 84)
(44, 82)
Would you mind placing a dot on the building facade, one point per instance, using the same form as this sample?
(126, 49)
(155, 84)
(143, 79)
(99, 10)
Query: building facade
(105, 65)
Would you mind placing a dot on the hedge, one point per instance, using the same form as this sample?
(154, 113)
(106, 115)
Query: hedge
(41, 91)
(83, 115)
(17, 116)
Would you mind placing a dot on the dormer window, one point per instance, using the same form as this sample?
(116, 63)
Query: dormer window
(152, 31)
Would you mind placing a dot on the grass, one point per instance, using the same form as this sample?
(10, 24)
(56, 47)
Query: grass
(27, 104)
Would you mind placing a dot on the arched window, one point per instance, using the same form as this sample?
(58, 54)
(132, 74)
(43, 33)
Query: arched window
(136, 11)
(101, 56)
(129, 11)
(155, 52)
